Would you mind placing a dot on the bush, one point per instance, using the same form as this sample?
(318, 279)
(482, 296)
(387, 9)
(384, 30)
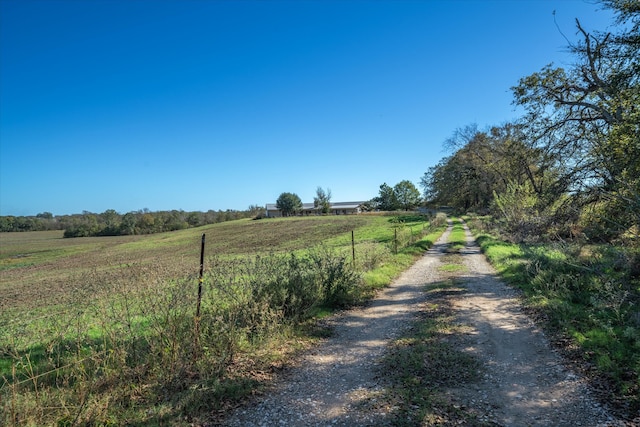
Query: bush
(439, 220)
(338, 281)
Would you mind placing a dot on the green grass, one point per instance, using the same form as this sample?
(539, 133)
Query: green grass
(424, 362)
(457, 238)
(452, 268)
(101, 330)
(384, 274)
(587, 298)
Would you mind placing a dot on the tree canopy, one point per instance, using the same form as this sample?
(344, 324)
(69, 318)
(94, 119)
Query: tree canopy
(573, 160)
(403, 195)
(406, 195)
(289, 204)
(322, 201)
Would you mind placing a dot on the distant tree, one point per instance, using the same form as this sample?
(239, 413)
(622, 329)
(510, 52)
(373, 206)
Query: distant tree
(173, 220)
(7, 223)
(84, 225)
(406, 194)
(110, 223)
(386, 200)
(322, 201)
(145, 223)
(289, 204)
(128, 224)
(256, 211)
(194, 219)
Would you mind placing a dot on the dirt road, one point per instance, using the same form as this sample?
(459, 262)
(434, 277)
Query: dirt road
(524, 382)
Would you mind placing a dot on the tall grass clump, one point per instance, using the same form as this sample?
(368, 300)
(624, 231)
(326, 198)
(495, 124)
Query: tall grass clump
(457, 237)
(133, 352)
(291, 285)
(588, 297)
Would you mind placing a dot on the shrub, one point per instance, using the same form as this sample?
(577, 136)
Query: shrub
(439, 220)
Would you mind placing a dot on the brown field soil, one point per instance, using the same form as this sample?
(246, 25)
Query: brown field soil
(39, 270)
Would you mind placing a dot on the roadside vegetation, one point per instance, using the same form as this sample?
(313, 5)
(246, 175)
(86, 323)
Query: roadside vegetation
(587, 296)
(103, 331)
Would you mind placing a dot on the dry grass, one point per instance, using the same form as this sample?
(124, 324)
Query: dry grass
(39, 270)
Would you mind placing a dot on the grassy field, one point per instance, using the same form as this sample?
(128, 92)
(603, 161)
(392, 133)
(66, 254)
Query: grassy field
(101, 330)
(41, 269)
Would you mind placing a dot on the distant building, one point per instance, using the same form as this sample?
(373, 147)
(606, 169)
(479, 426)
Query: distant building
(337, 208)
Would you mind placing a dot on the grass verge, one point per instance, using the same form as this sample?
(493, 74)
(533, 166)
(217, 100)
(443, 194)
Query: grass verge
(424, 362)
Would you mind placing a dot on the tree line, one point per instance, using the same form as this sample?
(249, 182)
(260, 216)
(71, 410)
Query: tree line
(571, 165)
(112, 223)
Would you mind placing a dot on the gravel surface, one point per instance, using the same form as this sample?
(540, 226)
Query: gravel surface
(525, 383)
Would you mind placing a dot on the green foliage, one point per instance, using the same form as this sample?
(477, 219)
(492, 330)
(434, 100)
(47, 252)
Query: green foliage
(518, 205)
(483, 163)
(569, 168)
(587, 115)
(289, 204)
(111, 223)
(406, 195)
(403, 195)
(322, 201)
(386, 200)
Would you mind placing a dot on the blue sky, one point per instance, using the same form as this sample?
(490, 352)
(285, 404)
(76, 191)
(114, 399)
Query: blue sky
(202, 104)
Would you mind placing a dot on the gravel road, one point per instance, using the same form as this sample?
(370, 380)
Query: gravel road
(525, 382)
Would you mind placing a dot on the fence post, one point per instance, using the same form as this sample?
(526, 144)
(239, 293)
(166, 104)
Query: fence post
(200, 280)
(353, 248)
(395, 239)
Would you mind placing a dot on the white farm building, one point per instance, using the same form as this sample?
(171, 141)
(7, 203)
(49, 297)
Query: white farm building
(337, 208)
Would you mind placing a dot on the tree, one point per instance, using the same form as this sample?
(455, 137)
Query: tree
(588, 116)
(322, 201)
(386, 200)
(406, 195)
(467, 179)
(486, 163)
(256, 211)
(289, 204)
(458, 181)
(128, 224)
(110, 223)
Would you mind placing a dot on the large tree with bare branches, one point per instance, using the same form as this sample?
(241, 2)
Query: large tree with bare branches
(589, 116)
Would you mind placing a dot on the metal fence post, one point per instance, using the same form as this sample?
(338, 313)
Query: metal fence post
(200, 280)
(353, 248)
